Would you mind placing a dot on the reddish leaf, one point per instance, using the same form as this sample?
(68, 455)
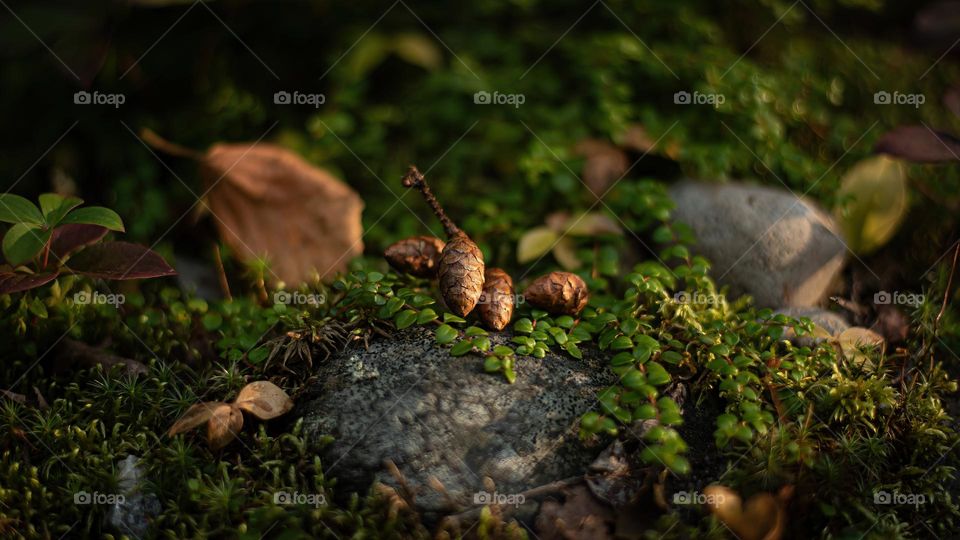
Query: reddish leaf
(68, 239)
(919, 144)
(120, 260)
(11, 282)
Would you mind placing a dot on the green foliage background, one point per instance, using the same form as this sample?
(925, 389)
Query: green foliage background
(399, 79)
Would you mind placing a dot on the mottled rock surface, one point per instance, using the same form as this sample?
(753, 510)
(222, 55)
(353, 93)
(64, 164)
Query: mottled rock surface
(135, 510)
(781, 249)
(407, 400)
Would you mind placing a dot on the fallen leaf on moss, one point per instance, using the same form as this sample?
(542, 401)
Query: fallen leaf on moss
(262, 399)
(224, 424)
(268, 202)
(195, 415)
(605, 164)
(579, 517)
(762, 517)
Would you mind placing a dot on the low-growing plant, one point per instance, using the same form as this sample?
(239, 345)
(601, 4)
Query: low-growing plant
(59, 238)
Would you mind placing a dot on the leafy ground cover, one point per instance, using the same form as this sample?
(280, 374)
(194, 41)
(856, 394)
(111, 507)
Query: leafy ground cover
(841, 428)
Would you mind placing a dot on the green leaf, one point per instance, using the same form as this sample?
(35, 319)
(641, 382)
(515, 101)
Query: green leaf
(23, 242)
(426, 316)
(451, 318)
(474, 331)
(405, 318)
(492, 364)
(16, 209)
(95, 215)
(462, 348)
(54, 207)
(482, 343)
(502, 350)
(523, 326)
(38, 308)
(446, 334)
(574, 351)
(391, 308)
(656, 374)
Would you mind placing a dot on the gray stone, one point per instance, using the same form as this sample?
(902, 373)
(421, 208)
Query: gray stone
(436, 415)
(132, 513)
(768, 243)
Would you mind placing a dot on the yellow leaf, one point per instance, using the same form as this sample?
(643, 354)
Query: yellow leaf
(535, 243)
(566, 254)
(878, 187)
(418, 50)
(226, 422)
(854, 340)
(264, 400)
(195, 415)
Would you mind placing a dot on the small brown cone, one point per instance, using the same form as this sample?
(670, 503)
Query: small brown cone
(558, 293)
(417, 255)
(461, 274)
(497, 301)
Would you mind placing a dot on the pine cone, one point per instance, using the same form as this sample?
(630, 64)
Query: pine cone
(461, 274)
(417, 255)
(497, 301)
(558, 293)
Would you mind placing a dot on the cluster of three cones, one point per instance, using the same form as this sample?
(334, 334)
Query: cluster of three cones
(466, 283)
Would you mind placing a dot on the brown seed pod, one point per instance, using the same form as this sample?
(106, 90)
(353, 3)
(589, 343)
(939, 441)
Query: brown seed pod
(497, 301)
(417, 255)
(461, 261)
(558, 292)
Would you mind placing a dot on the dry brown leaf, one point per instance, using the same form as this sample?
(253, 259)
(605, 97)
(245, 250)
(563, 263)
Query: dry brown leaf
(580, 517)
(558, 293)
(195, 415)
(762, 517)
(224, 425)
(264, 400)
(418, 255)
(497, 301)
(268, 201)
(637, 139)
(605, 164)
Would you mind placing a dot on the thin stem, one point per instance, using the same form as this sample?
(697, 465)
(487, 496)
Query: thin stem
(414, 178)
(946, 292)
